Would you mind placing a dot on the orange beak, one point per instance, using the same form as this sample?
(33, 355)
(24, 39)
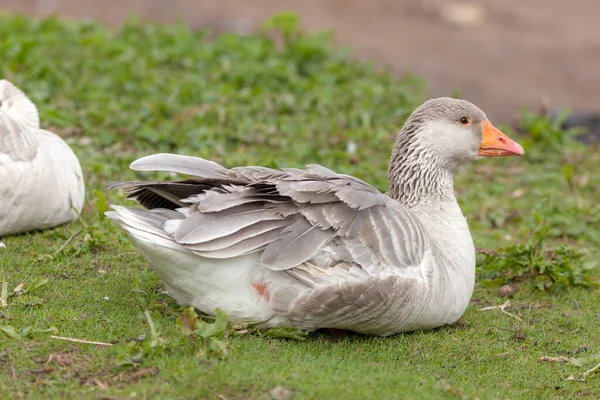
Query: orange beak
(495, 143)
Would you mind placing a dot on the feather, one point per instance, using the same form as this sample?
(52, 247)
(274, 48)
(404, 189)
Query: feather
(239, 236)
(138, 228)
(312, 198)
(294, 171)
(285, 189)
(257, 174)
(246, 246)
(180, 164)
(321, 171)
(299, 244)
(219, 202)
(338, 214)
(383, 243)
(283, 209)
(201, 227)
(129, 185)
(315, 215)
(310, 186)
(167, 215)
(359, 197)
(169, 195)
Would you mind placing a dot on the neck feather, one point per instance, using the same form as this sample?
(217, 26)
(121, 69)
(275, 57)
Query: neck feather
(416, 175)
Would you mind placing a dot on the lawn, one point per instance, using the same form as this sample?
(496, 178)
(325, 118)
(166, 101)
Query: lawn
(279, 98)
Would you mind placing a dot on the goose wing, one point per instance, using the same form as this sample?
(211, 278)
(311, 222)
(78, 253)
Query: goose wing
(293, 217)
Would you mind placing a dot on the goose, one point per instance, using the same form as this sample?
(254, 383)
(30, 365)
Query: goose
(315, 249)
(41, 183)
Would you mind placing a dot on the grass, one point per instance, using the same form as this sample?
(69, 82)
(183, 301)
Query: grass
(116, 95)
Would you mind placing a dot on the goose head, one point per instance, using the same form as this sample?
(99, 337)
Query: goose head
(18, 106)
(438, 137)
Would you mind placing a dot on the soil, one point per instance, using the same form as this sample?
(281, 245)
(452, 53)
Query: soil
(500, 54)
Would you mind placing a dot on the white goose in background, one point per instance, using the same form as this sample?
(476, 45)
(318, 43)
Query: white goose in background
(41, 183)
(316, 249)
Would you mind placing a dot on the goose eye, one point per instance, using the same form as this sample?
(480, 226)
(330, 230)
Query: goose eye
(464, 121)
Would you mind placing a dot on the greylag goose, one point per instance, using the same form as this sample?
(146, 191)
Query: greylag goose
(315, 249)
(41, 183)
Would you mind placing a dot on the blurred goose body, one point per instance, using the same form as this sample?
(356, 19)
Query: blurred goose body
(41, 183)
(316, 249)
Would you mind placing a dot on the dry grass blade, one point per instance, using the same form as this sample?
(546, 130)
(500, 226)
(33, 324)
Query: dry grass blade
(80, 341)
(584, 375)
(4, 294)
(589, 371)
(555, 359)
(18, 288)
(501, 308)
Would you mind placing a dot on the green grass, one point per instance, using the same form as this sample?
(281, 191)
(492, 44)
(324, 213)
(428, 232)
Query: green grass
(116, 95)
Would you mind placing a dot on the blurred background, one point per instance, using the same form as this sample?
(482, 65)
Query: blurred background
(501, 54)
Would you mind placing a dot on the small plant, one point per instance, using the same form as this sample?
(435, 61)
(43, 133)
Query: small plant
(547, 134)
(547, 268)
(22, 295)
(591, 364)
(284, 332)
(280, 332)
(212, 335)
(287, 23)
(26, 332)
(147, 344)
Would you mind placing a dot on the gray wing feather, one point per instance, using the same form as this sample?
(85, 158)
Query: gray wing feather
(296, 246)
(202, 227)
(214, 202)
(375, 236)
(180, 164)
(360, 197)
(256, 174)
(310, 186)
(320, 170)
(338, 214)
(224, 242)
(246, 246)
(305, 197)
(315, 213)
